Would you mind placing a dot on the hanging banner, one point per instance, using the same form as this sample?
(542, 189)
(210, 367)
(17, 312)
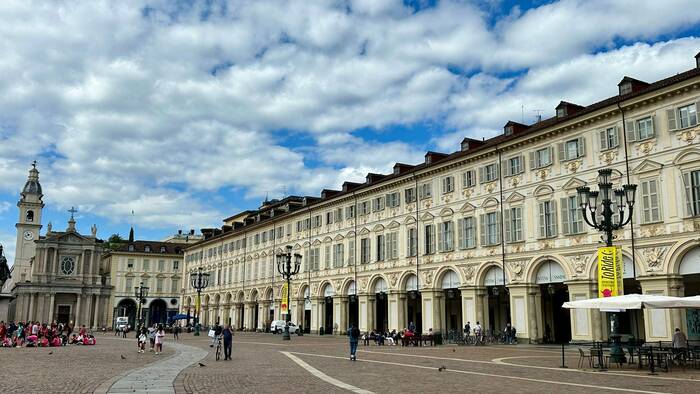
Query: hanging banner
(620, 265)
(285, 300)
(609, 271)
(197, 303)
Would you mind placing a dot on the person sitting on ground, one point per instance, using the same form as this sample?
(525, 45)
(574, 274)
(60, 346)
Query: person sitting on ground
(56, 341)
(43, 342)
(31, 340)
(390, 339)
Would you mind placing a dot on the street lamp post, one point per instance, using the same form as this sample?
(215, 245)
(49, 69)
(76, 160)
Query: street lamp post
(140, 292)
(199, 281)
(285, 268)
(588, 201)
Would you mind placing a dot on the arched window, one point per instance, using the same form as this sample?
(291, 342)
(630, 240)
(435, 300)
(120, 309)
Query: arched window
(30, 216)
(147, 249)
(131, 248)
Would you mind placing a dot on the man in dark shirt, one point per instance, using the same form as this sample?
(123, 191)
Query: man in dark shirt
(228, 340)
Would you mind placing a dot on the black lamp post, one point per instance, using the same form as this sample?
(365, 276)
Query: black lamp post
(199, 281)
(588, 201)
(285, 268)
(140, 292)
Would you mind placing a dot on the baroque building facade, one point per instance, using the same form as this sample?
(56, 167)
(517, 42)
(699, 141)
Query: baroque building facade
(59, 275)
(491, 233)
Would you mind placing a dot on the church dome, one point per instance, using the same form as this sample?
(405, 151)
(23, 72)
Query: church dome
(32, 186)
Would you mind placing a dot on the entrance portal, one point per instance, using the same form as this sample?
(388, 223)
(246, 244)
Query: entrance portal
(557, 320)
(690, 270)
(158, 312)
(381, 315)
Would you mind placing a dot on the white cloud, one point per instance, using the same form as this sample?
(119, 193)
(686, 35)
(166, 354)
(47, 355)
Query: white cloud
(148, 105)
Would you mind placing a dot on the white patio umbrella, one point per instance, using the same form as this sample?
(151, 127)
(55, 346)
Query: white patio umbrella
(634, 301)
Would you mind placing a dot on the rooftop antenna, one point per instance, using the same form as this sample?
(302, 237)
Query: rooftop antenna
(538, 115)
(522, 113)
(284, 191)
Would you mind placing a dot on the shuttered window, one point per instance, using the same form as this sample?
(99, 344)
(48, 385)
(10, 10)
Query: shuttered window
(609, 138)
(446, 236)
(572, 149)
(691, 183)
(448, 184)
(410, 194)
(489, 229)
(513, 218)
(488, 173)
(392, 246)
(426, 190)
(365, 250)
(572, 219)
(687, 116)
(338, 255)
(351, 252)
(650, 201)
(466, 230)
(547, 219)
(429, 245)
(380, 247)
(412, 238)
(393, 200)
(541, 158)
(469, 178)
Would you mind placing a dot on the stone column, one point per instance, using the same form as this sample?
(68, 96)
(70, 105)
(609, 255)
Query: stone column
(582, 328)
(264, 315)
(76, 316)
(469, 302)
(401, 311)
(659, 323)
(340, 314)
(95, 317)
(432, 313)
(363, 312)
(30, 314)
(316, 313)
(392, 310)
(371, 311)
(52, 302)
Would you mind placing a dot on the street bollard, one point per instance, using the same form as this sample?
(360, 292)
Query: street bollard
(563, 359)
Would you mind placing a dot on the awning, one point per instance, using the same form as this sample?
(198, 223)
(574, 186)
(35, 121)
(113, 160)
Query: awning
(635, 301)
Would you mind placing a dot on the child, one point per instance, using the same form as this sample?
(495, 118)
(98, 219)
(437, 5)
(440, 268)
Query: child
(142, 342)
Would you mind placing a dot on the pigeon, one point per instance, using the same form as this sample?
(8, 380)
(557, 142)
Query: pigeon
(442, 368)
(202, 365)
(453, 350)
(51, 352)
(122, 356)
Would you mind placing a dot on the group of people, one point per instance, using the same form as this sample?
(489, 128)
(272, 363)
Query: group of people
(155, 335)
(478, 333)
(35, 334)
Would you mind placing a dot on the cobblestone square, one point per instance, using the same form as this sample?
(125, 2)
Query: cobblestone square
(264, 363)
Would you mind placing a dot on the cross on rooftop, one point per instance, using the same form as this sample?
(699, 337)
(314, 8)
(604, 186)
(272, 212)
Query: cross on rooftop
(72, 211)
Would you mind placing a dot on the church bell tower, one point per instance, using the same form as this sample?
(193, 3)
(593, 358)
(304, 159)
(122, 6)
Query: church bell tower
(30, 206)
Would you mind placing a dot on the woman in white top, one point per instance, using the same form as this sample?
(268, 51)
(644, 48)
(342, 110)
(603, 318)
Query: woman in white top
(160, 336)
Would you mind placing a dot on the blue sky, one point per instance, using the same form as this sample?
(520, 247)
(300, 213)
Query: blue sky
(187, 112)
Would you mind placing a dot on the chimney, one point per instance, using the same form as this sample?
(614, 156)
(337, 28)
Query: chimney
(697, 60)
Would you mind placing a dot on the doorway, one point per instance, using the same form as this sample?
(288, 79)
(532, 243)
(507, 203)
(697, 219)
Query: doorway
(63, 315)
(414, 309)
(381, 315)
(328, 316)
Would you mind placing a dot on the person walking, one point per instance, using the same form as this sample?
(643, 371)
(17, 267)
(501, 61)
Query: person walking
(160, 337)
(176, 332)
(227, 332)
(142, 340)
(354, 334)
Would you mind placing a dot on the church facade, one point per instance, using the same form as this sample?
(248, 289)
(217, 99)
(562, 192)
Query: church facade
(60, 275)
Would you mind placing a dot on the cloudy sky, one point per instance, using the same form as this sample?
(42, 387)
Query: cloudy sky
(189, 111)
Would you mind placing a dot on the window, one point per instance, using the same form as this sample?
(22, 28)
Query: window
(147, 249)
(469, 178)
(129, 285)
(317, 221)
(351, 252)
(175, 286)
(426, 190)
(685, 116)
(159, 285)
(572, 149)
(645, 128)
(257, 239)
(365, 250)
(541, 158)
(264, 236)
(691, 181)
(176, 265)
(289, 229)
(392, 245)
(338, 255)
(467, 233)
(299, 227)
(513, 218)
(280, 232)
(130, 264)
(561, 112)
(131, 248)
(412, 242)
(393, 200)
(448, 184)
(364, 207)
(329, 217)
(162, 249)
(609, 138)
(161, 265)
(490, 231)
(572, 219)
(514, 166)
(410, 194)
(327, 257)
(488, 173)
(547, 219)
(380, 247)
(315, 259)
(429, 239)
(350, 212)
(30, 216)
(650, 202)
(446, 236)
(378, 204)
(146, 265)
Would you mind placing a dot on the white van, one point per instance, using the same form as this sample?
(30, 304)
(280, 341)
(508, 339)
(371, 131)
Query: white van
(122, 321)
(277, 327)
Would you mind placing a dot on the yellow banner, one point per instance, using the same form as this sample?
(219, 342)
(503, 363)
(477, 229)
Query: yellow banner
(197, 304)
(609, 271)
(285, 300)
(620, 272)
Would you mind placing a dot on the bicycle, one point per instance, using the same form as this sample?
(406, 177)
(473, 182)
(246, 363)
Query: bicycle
(218, 348)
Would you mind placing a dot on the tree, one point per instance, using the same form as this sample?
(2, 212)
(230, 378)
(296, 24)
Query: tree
(114, 241)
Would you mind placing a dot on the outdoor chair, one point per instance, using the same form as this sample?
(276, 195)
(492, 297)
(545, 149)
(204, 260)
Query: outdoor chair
(582, 358)
(596, 357)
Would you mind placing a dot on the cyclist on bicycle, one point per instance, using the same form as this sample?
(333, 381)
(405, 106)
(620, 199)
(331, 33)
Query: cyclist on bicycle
(217, 334)
(467, 330)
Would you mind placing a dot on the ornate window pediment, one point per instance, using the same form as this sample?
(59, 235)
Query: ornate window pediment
(647, 166)
(543, 191)
(447, 212)
(316, 242)
(490, 202)
(409, 220)
(467, 207)
(687, 156)
(378, 227)
(394, 224)
(573, 183)
(364, 231)
(515, 197)
(327, 239)
(338, 237)
(427, 217)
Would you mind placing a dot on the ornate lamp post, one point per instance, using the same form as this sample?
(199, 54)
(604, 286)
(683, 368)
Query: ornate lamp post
(588, 201)
(285, 268)
(199, 281)
(140, 292)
